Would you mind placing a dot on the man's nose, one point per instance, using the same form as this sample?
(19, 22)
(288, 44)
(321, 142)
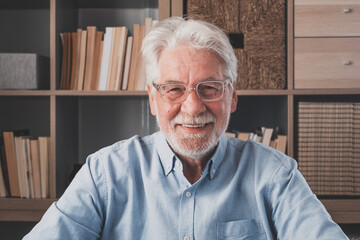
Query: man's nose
(192, 105)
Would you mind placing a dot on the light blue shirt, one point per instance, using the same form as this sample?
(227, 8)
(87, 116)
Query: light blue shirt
(135, 189)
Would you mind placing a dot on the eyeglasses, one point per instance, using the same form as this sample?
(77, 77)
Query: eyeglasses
(207, 91)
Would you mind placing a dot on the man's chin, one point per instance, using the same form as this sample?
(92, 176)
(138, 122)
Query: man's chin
(194, 147)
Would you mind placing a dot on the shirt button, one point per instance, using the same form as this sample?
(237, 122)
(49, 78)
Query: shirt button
(186, 238)
(188, 194)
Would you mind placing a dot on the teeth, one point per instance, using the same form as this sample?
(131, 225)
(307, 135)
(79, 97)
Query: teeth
(194, 125)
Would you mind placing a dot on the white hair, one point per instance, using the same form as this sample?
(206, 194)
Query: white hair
(176, 31)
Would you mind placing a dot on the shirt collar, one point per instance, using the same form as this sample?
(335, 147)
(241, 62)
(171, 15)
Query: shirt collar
(168, 157)
(218, 157)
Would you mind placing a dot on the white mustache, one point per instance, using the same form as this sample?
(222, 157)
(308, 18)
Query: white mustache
(186, 119)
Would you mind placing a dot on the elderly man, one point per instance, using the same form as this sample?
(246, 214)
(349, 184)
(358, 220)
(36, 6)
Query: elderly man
(188, 181)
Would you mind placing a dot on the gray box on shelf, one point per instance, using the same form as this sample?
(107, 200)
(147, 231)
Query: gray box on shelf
(24, 71)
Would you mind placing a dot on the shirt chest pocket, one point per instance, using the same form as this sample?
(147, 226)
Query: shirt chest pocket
(249, 229)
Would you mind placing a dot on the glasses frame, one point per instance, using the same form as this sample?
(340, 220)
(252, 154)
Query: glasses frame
(188, 89)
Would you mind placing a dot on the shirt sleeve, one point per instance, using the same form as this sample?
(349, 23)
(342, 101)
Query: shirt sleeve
(79, 213)
(296, 211)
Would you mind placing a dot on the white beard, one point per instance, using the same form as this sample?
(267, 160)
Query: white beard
(194, 146)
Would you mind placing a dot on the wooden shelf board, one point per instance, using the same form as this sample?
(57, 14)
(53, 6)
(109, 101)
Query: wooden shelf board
(260, 92)
(25, 92)
(23, 210)
(340, 91)
(99, 93)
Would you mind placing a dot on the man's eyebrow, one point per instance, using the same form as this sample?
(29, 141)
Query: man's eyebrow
(172, 81)
(211, 79)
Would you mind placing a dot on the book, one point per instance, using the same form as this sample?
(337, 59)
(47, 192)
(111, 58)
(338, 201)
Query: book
(4, 166)
(35, 163)
(65, 68)
(134, 57)
(127, 63)
(74, 60)
(21, 158)
(82, 61)
(140, 70)
(11, 161)
(78, 54)
(121, 58)
(281, 143)
(90, 56)
(141, 75)
(230, 134)
(114, 58)
(105, 58)
(44, 157)
(3, 189)
(99, 43)
(29, 165)
(267, 134)
(243, 136)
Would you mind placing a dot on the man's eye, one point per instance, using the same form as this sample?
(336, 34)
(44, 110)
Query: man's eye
(208, 87)
(172, 89)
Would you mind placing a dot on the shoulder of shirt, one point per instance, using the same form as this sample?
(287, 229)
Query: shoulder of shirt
(260, 152)
(134, 143)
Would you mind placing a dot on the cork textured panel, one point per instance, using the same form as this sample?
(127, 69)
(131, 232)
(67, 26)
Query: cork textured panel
(260, 25)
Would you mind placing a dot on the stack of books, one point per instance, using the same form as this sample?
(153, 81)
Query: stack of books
(267, 136)
(98, 60)
(24, 165)
(328, 144)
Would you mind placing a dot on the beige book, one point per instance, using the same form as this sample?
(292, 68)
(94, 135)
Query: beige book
(267, 133)
(20, 149)
(99, 43)
(90, 55)
(121, 58)
(114, 58)
(74, 60)
(29, 165)
(35, 162)
(44, 153)
(125, 80)
(230, 134)
(82, 61)
(134, 57)
(12, 165)
(140, 70)
(243, 136)
(3, 192)
(281, 143)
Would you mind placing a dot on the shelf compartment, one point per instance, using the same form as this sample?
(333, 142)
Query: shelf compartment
(26, 112)
(84, 124)
(254, 111)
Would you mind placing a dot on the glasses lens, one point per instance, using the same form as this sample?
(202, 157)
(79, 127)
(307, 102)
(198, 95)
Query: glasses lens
(173, 92)
(210, 90)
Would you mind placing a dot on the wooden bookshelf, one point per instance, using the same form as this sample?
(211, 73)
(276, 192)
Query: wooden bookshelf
(66, 112)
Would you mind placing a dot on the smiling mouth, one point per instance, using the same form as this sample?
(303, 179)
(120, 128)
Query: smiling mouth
(193, 125)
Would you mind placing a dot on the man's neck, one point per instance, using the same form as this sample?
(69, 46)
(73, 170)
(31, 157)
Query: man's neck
(192, 168)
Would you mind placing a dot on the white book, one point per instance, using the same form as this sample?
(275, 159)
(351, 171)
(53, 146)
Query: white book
(105, 60)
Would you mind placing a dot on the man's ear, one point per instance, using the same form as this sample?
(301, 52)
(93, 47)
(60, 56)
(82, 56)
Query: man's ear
(234, 101)
(151, 101)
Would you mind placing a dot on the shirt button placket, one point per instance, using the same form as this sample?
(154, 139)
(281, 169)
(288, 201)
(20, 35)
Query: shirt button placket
(187, 215)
